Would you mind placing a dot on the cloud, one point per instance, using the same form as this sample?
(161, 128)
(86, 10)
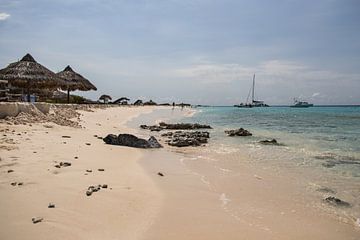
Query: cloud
(4, 16)
(271, 72)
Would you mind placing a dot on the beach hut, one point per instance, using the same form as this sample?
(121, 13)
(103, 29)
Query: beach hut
(29, 74)
(138, 102)
(74, 81)
(105, 98)
(122, 101)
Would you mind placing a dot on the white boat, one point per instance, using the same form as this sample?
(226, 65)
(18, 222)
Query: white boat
(253, 103)
(301, 104)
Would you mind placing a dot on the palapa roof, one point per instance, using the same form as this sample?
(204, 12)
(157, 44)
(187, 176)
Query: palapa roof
(74, 81)
(121, 99)
(30, 74)
(104, 96)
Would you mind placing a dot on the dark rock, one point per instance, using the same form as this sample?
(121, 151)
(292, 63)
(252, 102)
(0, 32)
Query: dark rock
(153, 142)
(104, 186)
(269, 142)
(36, 220)
(238, 132)
(101, 169)
(65, 136)
(10, 171)
(51, 205)
(175, 126)
(187, 138)
(160, 174)
(65, 164)
(88, 170)
(337, 202)
(20, 184)
(184, 126)
(89, 192)
(13, 183)
(88, 144)
(57, 166)
(111, 139)
(131, 141)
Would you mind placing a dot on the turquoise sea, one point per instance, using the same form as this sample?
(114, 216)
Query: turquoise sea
(327, 136)
(320, 146)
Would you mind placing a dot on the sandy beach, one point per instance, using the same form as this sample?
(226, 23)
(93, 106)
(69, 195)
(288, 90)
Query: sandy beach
(188, 202)
(124, 210)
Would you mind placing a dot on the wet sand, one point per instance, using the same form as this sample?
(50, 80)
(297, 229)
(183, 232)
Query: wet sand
(206, 202)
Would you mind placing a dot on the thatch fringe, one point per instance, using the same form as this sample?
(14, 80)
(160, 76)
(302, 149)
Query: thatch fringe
(74, 81)
(27, 73)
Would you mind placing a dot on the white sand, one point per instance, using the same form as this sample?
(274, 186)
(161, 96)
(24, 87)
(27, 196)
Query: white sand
(123, 211)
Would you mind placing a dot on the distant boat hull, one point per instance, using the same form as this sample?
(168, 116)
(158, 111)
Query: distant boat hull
(302, 105)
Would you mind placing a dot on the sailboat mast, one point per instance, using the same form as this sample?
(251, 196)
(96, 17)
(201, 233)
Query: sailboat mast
(253, 89)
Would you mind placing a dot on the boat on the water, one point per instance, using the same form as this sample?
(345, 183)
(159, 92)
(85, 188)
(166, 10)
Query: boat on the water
(253, 103)
(301, 104)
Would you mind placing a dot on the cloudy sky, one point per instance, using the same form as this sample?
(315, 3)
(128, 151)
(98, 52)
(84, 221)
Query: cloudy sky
(198, 51)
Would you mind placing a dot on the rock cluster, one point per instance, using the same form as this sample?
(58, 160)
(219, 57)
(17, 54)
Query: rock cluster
(92, 189)
(186, 138)
(175, 126)
(238, 132)
(130, 140)
(63, 164)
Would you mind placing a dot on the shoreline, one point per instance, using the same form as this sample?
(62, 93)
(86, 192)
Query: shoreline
(249, 200)
(199, 196)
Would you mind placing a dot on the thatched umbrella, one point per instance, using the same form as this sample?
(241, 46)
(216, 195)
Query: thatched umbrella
(27, 73)
(74, 81)
(122, 100)
(105, 98)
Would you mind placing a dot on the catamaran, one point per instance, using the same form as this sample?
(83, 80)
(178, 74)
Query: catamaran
(253, 103)
(301, 104)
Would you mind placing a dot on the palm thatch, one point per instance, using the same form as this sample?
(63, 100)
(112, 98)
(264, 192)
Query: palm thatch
(122, 100)
(105, 98)
(74, 81)
(27, 73)
(138, 102)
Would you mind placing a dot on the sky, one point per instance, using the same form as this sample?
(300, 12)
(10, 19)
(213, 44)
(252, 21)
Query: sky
(194, 51)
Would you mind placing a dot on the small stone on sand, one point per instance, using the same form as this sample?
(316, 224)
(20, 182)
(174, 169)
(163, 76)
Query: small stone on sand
(51, 205)
(37, 220)
(101, 169)
(160, 174)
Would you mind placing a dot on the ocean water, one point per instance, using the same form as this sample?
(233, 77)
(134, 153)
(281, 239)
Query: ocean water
(320, 146)
(326, 136)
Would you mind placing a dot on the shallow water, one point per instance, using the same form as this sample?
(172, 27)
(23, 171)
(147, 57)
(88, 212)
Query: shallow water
(319, 156)
(319, 145)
